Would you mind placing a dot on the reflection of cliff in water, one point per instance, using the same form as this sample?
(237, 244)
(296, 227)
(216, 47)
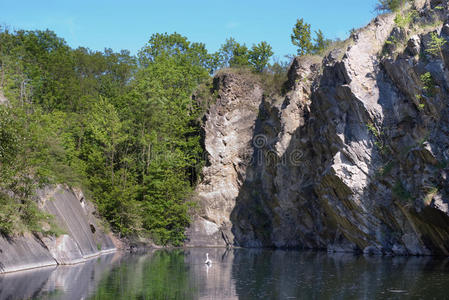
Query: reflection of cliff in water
(234, 274)
(215, 281)
(62, 282)
(159, 274)
(266, 274)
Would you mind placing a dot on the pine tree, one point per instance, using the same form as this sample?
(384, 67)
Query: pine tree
(302, 37)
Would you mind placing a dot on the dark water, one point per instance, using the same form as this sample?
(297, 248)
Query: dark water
(235, 274)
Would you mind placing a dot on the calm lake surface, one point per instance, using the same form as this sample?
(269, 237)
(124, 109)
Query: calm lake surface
(235, 274)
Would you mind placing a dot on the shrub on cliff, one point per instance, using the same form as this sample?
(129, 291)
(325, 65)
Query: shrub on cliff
(302, 38)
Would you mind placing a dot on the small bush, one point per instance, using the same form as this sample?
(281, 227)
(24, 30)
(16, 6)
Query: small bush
(404, 20)
(373, 130)
(421, 104)
(428, 84)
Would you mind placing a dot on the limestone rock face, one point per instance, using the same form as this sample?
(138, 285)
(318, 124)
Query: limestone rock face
(353, 157)
(82, 237)
(228, 129)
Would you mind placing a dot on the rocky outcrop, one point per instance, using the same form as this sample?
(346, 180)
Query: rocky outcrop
(228, 136)
(83, 236)
(352, 158)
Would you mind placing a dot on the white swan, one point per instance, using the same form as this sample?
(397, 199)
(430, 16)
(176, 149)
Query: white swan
(208, 261)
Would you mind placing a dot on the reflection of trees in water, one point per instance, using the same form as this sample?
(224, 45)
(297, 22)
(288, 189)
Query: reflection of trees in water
(159, 275)
(238, 273)
(311, 275)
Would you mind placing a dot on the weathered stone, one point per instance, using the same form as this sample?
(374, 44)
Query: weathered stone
(71, 214)
(353, 156)
(413, 46)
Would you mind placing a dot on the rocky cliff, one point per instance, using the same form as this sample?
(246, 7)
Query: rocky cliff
(83, 236)
(353, 157)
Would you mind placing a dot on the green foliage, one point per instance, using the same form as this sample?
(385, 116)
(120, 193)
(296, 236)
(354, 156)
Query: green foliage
(23, 162)
(428, 83)
(379, 142)
(403, 20)
(124, 129)
(232, 54)
(421, 104)
(159, 275)
(436, 45)
(321, 43)
(373, 130)
(259, 56)
(302, 37)
(235, 55)
(176, 46)
(392, 40)
(390, 5)
(275, 78)
(163, 128)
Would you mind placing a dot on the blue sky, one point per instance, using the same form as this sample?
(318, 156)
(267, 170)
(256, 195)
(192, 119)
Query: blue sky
(97, 24)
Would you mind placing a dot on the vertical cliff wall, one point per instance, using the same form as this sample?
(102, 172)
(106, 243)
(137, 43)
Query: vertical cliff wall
(352, 158)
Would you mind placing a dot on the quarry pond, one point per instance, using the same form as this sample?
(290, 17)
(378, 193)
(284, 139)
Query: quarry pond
(234, 274)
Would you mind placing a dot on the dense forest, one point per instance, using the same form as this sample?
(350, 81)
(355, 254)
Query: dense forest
(126, 129)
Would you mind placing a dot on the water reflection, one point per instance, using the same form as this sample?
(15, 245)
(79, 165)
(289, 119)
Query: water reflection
(234, 274)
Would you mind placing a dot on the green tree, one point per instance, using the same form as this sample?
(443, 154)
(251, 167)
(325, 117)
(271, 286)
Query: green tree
(124, 128)
(233, 54)
(166, 131)
(176, 46)
(302, 37)
(259, 56)
(436, 45)
(321, 43)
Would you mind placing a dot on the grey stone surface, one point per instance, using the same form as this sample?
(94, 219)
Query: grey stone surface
(354, 156)
(79, 243)
(63, 282)
(24, 252)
